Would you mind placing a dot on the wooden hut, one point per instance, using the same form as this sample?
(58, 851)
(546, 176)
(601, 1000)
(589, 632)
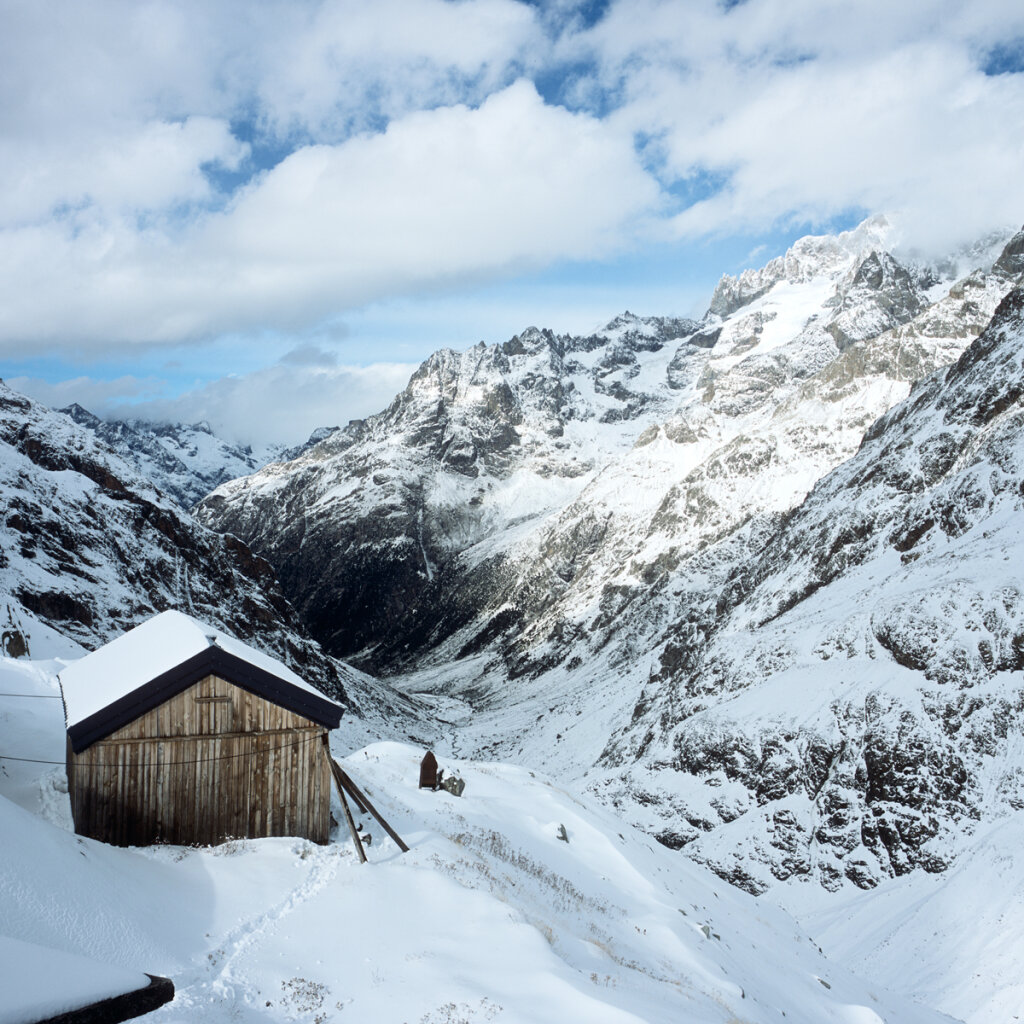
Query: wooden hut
(180, 733)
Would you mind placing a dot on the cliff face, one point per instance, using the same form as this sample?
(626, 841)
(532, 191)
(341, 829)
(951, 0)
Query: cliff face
(855, 705)
(482, 446)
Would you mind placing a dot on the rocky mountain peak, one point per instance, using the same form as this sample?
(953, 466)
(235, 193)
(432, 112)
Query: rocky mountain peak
(624, 320)
(315, 438)
(648, 333)
(810, 257)
(532, 341)
(81, 415)
(169, 429)
(1011, 260)
(879, 270)
(879, 293)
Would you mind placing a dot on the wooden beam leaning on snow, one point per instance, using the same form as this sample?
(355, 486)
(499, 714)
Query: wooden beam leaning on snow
(343, 781)
(339, 782)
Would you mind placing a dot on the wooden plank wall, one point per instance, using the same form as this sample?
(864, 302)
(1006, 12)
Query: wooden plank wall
(214, 762)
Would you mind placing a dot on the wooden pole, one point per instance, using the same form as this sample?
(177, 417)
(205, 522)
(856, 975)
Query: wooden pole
(344, 805)
(351, 825)
(355, 799)
(360, 796)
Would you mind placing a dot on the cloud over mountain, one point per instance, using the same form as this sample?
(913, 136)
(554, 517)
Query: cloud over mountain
(175, 171)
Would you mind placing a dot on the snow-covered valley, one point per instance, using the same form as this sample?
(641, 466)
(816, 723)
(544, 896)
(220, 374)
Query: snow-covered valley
(701, 569)
(735, 601)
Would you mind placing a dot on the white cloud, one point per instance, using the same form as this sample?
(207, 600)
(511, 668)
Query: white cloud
(345, 62)
(440, 196)
(91, 393)
(284, 403)
(918, 133)
(156, 166)
(280, 404)
(80, 69)
(429, 162)
(514, 183)
(807, 109)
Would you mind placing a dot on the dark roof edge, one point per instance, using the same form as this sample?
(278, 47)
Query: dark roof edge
(120, 1008)
(212, 661)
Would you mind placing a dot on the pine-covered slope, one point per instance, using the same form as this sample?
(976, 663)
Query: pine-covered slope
(90, 547)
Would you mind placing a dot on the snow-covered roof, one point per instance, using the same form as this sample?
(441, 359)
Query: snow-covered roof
(40, 982)
(162, 656)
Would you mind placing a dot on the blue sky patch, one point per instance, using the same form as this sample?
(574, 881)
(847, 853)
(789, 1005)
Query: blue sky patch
(1005, 59)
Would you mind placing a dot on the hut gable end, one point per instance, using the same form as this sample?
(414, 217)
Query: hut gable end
(212, 707)
(179, 733)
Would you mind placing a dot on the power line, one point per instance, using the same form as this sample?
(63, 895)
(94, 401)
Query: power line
(163, 764)
(41, 696)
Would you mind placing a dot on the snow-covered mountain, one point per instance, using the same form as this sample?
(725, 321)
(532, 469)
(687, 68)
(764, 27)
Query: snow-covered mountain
(186, 461)
(751, 581)
(598, 556)
(89, 547)
(853, 707)
(554, 500)
(514, 497)
(363, 527)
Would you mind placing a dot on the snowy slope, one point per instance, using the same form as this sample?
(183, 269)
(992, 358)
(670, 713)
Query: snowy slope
(489, 917)
(89, 547)
(854, 711)
(954, 940)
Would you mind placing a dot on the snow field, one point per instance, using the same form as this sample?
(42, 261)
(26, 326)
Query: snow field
(489, 917)
(956, 938)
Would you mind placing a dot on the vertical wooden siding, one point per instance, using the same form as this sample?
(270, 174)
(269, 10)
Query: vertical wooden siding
(212, 763)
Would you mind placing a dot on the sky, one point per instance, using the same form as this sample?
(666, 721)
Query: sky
(265, 215)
